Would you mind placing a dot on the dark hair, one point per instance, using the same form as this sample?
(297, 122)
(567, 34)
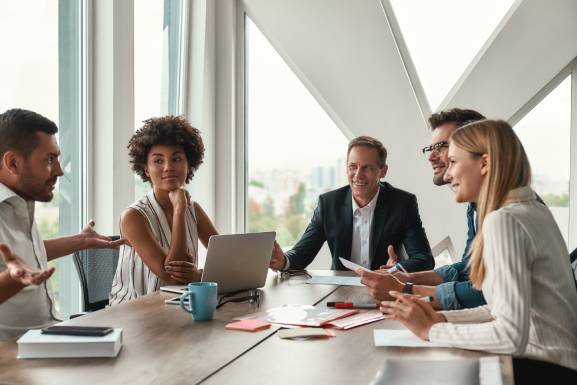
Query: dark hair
(18, 128)
(367, 141)
(456, 115)
(170, 131)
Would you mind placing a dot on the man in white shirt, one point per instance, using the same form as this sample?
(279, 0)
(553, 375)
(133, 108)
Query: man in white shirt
(364, 221)
(29, 169)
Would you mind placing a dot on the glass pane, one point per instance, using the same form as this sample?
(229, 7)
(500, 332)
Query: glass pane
(148, 65)
(30, 81)
(545, 133)
(294, 150)
(158, 60)
(443, 37)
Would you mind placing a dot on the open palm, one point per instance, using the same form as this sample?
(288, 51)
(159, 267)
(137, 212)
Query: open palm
(20, 271)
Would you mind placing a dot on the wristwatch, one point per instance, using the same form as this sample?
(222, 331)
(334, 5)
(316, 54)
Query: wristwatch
(408, 288)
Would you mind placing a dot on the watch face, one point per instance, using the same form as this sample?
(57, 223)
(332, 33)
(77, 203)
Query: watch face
(408, 288)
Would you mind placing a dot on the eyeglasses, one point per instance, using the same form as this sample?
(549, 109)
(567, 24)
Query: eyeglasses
(253, 296)
(436, 147)
(295, 273)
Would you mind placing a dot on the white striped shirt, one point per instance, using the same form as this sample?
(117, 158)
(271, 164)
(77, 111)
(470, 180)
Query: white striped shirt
(531, 298)
(133, 278)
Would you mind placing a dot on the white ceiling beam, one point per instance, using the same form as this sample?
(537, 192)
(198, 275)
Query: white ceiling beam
(534, 42)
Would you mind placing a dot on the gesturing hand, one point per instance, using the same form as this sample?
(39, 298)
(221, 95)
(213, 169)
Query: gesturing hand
(93, 240)
(393, 258)
(418, 316)
(277, 260)
(20, 271)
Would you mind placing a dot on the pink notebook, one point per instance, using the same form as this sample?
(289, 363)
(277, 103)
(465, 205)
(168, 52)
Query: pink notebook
(248, 325)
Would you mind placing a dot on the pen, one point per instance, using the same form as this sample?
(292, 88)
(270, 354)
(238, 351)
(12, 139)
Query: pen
(426, 298)
(396, 268)
(351, 305)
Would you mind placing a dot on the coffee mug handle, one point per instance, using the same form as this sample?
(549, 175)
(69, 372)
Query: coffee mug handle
(191, 300)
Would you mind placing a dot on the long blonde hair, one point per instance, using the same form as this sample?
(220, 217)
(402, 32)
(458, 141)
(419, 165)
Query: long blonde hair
(508, 169)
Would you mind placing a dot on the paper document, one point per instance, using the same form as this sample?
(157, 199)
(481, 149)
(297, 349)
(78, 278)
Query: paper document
(352, 266)
(343, 281)
(403, 338)
(177, 289)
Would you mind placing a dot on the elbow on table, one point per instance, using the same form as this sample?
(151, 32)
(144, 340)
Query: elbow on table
(517, 339)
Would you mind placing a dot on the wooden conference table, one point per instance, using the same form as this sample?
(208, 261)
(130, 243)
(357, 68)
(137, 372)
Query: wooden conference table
(162, 345)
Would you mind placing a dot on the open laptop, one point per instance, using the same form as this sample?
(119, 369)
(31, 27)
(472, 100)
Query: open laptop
(238, 261)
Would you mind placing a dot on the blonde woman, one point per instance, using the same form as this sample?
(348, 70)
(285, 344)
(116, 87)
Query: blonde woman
(518, 258)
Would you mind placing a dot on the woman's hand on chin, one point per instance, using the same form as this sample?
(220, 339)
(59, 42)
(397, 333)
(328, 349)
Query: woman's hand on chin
(180, 198)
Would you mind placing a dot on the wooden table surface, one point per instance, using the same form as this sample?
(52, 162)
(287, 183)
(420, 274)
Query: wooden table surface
(162, 345)
(349, 358)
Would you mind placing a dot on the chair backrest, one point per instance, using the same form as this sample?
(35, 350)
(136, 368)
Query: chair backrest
(444, 252)
(96, 268)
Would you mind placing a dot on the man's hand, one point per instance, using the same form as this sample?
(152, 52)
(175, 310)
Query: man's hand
(93, 240)
(392, 259)
(183, 271)
(416, 315)
(20, 272)
(277, 260)
(380, 284)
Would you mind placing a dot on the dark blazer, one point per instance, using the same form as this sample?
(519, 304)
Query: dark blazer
(396, 221)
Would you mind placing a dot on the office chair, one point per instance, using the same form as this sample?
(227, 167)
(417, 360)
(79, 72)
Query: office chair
(96, 268)
(444, 252)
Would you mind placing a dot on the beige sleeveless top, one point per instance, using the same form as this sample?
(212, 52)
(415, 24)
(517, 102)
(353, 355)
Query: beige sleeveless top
(133, 278)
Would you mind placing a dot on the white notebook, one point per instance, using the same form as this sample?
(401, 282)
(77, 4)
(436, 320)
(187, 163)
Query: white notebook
(34, 344)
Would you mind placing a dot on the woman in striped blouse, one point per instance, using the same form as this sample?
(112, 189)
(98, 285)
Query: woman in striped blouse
(518, 258)
(163, 227)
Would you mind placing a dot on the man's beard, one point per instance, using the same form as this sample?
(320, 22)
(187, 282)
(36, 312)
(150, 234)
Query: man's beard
(34, 190)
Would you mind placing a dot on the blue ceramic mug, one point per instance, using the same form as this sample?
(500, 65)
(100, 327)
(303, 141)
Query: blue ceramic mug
(202, 298)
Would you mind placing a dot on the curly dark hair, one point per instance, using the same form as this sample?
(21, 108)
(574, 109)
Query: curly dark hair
(170, 131)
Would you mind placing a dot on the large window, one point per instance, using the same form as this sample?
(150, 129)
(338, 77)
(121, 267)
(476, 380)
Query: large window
(159, 45)
(545, 133)
(443, 37)
(294, 150)
(41, 70)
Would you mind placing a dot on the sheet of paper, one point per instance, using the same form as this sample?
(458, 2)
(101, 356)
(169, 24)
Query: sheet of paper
(359, 319)
(403, 338)
(304, 333)
(352, 266)
(490, 371)
(343, 281)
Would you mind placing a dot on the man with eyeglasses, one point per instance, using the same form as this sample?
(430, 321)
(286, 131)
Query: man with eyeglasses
(448, 285)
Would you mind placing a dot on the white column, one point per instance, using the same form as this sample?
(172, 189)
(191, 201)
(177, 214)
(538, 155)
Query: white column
(111, 118)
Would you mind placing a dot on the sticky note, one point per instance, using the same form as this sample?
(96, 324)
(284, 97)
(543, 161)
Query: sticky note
(248, 325)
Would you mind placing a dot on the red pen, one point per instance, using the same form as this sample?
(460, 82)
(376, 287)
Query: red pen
(351, 305)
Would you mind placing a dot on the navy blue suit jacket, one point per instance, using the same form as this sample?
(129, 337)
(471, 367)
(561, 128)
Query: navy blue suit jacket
(396, 221)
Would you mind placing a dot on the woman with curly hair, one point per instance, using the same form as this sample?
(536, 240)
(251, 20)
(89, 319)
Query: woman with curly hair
(163, 227)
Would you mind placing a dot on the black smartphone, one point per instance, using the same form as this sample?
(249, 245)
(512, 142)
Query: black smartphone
(87, 331)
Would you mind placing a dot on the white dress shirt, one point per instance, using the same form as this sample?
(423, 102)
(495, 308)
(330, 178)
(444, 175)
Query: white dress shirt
(531, 298)
(33, 306)
(362, 225)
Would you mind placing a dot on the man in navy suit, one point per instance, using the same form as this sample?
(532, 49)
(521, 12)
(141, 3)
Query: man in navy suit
(363, 222)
